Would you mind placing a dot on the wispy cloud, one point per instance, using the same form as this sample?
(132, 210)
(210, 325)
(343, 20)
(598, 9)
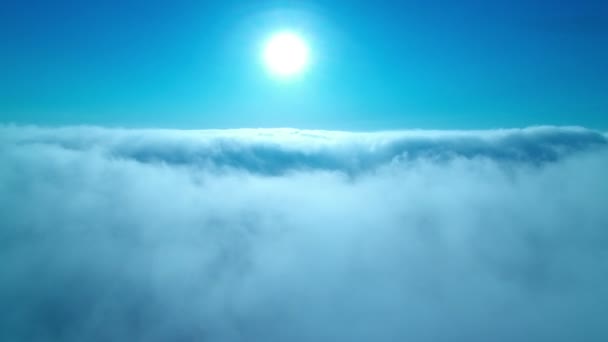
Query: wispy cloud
(275, 235)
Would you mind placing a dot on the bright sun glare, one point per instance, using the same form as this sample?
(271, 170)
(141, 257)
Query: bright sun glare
(286, 54)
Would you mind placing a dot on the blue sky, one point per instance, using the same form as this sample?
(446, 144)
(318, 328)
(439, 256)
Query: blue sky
(378, 65)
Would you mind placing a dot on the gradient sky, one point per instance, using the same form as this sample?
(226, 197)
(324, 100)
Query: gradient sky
(378, 65)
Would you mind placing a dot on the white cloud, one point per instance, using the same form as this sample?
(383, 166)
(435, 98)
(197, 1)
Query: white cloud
(276, 235)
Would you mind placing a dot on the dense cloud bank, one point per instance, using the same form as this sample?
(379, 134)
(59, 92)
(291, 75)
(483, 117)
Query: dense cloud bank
(287, 235)
(280, 151)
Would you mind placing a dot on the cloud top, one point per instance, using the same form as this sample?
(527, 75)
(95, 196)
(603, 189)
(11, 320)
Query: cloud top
(277, 151)
(288, 235)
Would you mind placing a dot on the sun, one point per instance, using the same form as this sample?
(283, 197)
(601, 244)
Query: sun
(286, 54)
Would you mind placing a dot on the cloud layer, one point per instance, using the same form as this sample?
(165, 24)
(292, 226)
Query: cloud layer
(287, 235)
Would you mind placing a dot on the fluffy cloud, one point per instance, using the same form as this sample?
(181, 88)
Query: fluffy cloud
(287, 235)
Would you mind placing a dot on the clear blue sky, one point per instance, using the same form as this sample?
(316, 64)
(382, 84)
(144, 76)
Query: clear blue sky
(378, 64)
